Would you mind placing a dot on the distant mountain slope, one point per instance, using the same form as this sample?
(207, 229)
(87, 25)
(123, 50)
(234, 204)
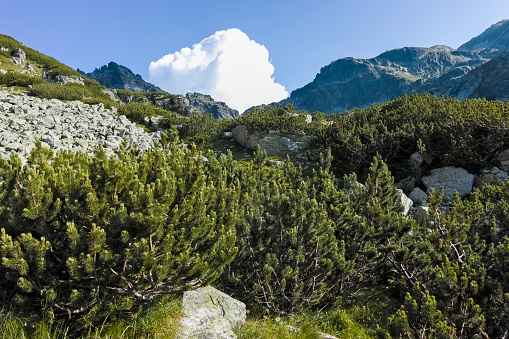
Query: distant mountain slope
(117, 76)
(496, 36)
(204, 104)
(350, 83)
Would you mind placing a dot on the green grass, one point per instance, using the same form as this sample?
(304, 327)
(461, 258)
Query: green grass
(160, 320)
(339, 323)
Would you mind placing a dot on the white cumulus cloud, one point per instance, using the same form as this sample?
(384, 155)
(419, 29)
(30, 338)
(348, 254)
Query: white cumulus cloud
(227, 65)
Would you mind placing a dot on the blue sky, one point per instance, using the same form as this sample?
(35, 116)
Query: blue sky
(301, 36)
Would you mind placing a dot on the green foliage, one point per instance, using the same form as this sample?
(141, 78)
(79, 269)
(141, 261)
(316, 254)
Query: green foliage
(72, 91)
(137, 111)
(457, 133)
(95, 235)
(18, 79)
(197, 128)
(452, 132)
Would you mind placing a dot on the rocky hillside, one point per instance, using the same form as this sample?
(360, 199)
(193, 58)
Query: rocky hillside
(496, 36)
(117, 76)
(70, 125)
(204, 104)
(350, 83)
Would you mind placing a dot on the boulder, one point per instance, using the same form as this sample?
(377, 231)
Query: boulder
(273, 142)
(489, 176)
(418, 196)
(420, 213)
(209, 313)
(110, 93)
(407, 184)
(19, 57)
(62, 79)
(405, 201)
(451, 179)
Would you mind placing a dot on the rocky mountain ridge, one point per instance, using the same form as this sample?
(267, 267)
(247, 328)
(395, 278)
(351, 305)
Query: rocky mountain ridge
(472, 71)
(117, 76)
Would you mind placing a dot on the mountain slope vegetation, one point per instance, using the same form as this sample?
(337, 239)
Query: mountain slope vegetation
(88, 241)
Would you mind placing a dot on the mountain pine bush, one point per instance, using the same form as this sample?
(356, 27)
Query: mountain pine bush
(93, 235)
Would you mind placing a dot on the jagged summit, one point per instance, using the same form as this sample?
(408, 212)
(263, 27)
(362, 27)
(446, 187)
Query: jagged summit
(117, 76)
(350, 83)
(496, 36)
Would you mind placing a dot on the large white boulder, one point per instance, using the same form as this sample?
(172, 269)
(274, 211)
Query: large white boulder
(210, 313)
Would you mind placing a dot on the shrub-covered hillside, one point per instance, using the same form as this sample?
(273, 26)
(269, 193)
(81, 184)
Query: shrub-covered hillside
(84, 238)
(89, 240)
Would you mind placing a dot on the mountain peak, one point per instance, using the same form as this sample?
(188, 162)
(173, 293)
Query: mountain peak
(496, 36)
(117, 76)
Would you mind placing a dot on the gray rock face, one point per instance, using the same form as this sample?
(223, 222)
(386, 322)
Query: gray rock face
(418, 196)
(117, 76)
(496, 36)
(58, 125)
(350, 83)
(210, 313)
(19, 57)
(452, 179)
(405, 201)
(274, 143)
(62, 79)
(204, 104)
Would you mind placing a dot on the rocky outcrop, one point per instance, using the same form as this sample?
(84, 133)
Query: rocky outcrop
(62, 79)
(405, 201)
(273, 142)
(58, 125)
(350, 83)
(209, 313)
(117, 76)
(170, 102)
(204, 104)
(19, 57)
(452, 180)
(490, 176)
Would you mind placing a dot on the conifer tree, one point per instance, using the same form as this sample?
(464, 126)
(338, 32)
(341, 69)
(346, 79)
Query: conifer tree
(88, 235)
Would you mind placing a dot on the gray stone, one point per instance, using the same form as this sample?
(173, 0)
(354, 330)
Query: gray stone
(418, 196)
(407, 184)
(110, 93)
(209, 313)
(274, 143)
(405, 201)
(451, 179)
(19, 57)
(276, 163)
(420, 213)
(490, 176)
